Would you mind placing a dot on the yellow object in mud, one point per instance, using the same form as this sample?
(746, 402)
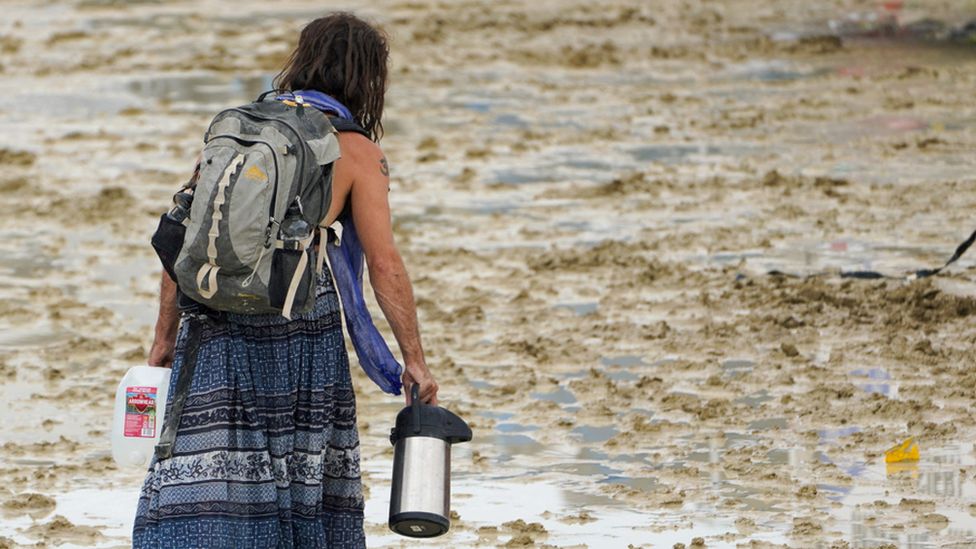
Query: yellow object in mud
(906, 451)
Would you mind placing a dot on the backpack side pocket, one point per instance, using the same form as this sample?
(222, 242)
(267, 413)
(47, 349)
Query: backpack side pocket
(290, 287)
(167, 241)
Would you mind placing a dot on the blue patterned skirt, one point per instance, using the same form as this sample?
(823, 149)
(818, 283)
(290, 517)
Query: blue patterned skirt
(267, 452)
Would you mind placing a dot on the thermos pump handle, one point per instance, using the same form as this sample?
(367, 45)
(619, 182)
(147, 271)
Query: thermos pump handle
(415, 403)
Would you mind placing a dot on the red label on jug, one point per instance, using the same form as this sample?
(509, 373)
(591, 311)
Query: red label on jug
(140, 412)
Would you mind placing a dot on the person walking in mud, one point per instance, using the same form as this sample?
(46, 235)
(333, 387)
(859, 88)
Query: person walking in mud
(266, 453)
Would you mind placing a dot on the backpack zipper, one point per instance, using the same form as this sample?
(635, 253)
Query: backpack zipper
(274, 158)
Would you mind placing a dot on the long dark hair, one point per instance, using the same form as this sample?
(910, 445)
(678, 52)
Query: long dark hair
(345, 57)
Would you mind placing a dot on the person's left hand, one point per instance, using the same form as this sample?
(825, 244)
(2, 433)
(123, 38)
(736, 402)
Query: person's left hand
(418, 373)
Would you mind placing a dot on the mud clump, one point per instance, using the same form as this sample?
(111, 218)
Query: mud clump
(66, 36)
(520, 540)
(816, 45)
(917, 505)
(630, 185)
(807, 491)
(14, 185)
(804, 527)
(591, 56)
(520, 525)
(60, 530)
(524, 533)
(585, 517)
(108, 199)
(10, 157)
(789, 350)
(29, 503)
(924, 303)
(10, 45)
(609, 253)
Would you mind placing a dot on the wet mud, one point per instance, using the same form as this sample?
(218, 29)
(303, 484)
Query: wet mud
(590, 199)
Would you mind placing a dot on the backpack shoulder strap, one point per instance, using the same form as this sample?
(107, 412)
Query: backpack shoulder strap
(346, 125)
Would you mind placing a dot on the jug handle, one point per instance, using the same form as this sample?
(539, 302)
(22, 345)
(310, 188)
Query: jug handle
(415, 403)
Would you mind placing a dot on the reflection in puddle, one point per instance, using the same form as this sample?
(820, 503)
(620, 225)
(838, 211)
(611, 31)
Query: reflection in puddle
(771, 70)
(646, 484)
(559, 396)
(737, 367)
(672, 153)
(622, 375)
(581, 309)
(592, 434)
(770, 424)
(202, 90)
(32, 462)
(515, 428)
(511, 445)
(500, 416)
(755, 400)
(833, 436)
(493, 502)
(846, 255)
(623, 360)
(879, 383)
(512, 120)
(481, 384)
(939, 474)
(515, 176)
(584, 469)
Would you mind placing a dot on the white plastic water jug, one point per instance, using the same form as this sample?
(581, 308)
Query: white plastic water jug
(140, 404)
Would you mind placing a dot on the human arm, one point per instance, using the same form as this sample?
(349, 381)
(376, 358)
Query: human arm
(167, 324)
(363, 164)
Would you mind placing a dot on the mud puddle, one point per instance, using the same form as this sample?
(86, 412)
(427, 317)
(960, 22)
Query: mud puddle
(87, 517)
(551, 513)
(842, 255)
(912, 504)
(201, 92)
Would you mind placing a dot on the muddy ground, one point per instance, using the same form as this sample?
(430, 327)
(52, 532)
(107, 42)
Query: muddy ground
(589, 197)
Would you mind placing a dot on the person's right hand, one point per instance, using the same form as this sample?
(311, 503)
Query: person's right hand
(161, 353)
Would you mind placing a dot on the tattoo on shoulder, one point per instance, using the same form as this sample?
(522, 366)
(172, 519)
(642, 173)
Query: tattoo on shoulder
(384, 167)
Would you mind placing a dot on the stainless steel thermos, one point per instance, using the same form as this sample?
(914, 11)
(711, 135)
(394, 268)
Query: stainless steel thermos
(420, 500)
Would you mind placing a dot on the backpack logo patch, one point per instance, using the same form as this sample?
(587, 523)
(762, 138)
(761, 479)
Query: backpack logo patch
(255, 173)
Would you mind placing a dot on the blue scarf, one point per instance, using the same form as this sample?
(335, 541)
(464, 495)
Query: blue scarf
(346, 257)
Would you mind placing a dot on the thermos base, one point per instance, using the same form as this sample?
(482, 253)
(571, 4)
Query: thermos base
(419, 525)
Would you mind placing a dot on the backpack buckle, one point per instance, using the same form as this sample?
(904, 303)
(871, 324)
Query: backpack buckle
(271, 231)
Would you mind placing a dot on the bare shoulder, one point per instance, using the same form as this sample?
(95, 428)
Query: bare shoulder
(358, 147)
(363, 155)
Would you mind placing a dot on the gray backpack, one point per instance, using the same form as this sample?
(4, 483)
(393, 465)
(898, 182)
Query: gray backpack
(263, 189)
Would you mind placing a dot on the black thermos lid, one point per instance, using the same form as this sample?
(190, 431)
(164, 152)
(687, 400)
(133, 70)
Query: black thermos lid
(425, 420)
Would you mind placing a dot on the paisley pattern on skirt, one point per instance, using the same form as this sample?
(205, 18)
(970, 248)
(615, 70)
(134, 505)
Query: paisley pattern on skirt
(267, 452)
